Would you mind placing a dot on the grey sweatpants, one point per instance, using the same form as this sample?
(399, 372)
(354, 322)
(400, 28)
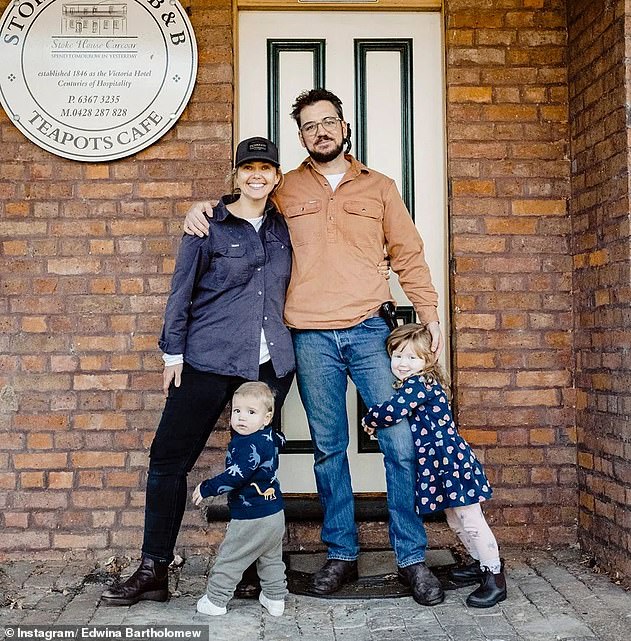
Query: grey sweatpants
(246, 541)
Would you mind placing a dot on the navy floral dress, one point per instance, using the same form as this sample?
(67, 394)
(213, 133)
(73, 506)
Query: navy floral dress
(448, 473)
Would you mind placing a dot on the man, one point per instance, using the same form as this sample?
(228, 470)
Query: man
(340, 216)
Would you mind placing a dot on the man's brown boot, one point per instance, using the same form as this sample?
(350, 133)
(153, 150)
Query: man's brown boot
(333, 575)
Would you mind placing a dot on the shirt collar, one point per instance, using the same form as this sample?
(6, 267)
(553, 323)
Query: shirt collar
(355, 169)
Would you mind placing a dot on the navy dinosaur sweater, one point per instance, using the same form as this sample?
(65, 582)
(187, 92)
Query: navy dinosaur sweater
(250, 475)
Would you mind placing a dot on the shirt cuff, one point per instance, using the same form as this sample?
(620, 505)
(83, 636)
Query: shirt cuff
(172, 359)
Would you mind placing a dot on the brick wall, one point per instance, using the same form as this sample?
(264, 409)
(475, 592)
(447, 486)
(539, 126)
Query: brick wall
(599, 98)
(511, 266)
(86, 253)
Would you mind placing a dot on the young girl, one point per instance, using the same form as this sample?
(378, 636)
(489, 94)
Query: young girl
(449, 476)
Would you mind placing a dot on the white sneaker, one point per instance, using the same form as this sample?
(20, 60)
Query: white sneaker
(204, 606)
(275, 608)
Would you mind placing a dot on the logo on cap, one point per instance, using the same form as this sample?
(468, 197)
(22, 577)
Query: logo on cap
(257, 148)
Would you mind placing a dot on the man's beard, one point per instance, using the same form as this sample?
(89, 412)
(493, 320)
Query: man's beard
(326, 156)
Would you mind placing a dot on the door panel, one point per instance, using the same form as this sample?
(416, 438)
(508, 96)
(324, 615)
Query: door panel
(387, 69)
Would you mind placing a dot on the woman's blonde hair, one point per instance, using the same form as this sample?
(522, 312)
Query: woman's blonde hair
(419, 338)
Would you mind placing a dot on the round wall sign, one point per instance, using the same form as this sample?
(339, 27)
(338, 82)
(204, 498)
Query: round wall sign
(96, 81)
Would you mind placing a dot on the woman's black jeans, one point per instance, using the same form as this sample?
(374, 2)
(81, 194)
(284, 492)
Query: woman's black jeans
(189, 416)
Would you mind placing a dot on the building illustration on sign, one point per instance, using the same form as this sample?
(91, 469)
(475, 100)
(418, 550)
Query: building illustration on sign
(71, 86)
(94, 19)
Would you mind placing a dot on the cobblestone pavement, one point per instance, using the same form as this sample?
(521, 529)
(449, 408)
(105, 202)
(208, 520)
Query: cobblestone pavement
(553, 595)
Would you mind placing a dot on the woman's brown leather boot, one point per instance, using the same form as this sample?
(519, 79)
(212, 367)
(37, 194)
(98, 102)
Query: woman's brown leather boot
(150, 582)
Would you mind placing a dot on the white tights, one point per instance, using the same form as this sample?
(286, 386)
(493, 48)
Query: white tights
(470, 526)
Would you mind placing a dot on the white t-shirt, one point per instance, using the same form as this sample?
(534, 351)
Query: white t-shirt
(264, 355)
(335, 180)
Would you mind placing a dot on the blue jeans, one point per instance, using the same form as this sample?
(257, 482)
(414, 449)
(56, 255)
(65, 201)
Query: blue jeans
(324, 359)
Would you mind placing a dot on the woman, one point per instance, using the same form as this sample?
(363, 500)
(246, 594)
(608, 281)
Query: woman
(223, 325)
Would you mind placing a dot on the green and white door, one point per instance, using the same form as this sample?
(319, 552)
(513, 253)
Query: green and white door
(387, 67)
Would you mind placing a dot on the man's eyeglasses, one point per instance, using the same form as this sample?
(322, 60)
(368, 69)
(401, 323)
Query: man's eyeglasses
(329, 124)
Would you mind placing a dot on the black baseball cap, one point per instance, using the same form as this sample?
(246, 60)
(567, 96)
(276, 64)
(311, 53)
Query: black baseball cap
(256, 148)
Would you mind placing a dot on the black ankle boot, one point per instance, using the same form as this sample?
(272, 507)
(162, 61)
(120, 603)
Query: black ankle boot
(467, 574)
(150, 582)
(491, 591)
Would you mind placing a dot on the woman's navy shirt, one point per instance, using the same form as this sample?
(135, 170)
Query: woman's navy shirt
(225, 288)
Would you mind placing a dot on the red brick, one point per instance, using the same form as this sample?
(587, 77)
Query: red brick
(543, 379)
(539, 207)
(513, 321)
(15, 248)
(41, 421)
(105, 191)
(546, 397)
(34, 324)
(39, 441)
(542, 436)
(103, 286)
(73, 266)
(164, 190)
(470, 94)
(92, 479)
(60, 480)
(480, 437)
(8, 480)
(16, 520)
(96, 171)
(102, 421)
(476, 321)
(97, 459)
(80, 541)
(63, 363)
(98, 499)
(61, 228)
(123, 479)
(31, 479)
(34, 364)
(498, 113)
(586, 460)
(516, 436)
(476, 360)
(45, 461)
(102, 381)
(516, 476)
(100, 343)
(24, 540)
(37, 501)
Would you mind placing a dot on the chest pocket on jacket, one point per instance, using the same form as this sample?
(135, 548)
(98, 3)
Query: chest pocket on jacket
(229, 266)
(279, 255)
(362, 223)
(305, 222)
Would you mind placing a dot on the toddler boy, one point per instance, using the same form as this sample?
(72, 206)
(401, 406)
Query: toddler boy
(257, 519)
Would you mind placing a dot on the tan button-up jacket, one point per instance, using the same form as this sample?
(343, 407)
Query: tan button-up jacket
(338, 239)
